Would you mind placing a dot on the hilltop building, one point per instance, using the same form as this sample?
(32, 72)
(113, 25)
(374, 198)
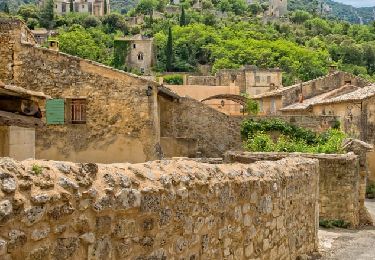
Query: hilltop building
(140, 53)
(250, 79)
(93, 7)
(278, 8)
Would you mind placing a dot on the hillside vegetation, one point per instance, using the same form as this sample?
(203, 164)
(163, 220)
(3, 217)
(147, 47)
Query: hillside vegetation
(302, 47)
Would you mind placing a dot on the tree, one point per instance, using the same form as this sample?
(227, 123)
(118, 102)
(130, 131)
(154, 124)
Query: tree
(105, 7)
(182, 17)
(114, 22)
(5, 8)
(91, 21)
(146, 6)
(32, 23)
(46, 16)
(169, 51)
(71, 6)
(28, 11)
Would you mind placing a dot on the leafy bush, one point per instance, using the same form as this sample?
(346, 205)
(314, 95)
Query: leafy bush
(370, 191)
(175, 79)
(333, 223)
(291, 138)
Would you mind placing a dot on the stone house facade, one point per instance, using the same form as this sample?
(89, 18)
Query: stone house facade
(277, 8)
(140, 53)
(92, 7)
(98, 113)
(250, 79)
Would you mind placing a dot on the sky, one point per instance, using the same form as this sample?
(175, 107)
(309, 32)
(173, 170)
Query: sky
(357, 3)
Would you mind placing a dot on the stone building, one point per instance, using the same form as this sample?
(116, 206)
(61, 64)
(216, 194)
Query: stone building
(41, 35)
(19, 116)
(277, 8)
(140, 53)
(92, 7)
(272, 102)
(101, 114)
(250, 79)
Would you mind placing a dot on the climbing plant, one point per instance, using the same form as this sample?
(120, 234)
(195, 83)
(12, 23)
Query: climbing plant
(121, 49)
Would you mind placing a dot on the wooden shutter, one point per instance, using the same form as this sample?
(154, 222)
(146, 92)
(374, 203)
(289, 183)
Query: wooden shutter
(55, 111)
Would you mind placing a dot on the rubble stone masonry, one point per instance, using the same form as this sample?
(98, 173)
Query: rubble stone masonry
(158, 210)
(341, 187)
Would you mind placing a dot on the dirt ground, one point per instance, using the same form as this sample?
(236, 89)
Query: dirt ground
(349, 244)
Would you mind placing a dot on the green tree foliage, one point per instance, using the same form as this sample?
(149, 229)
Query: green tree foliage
(32, 23)
(71, 6)
(28, 11)
(169, 51)
(146, 6)
(121, 49)
(275, 135)
(91, 44)
(300, 17)
(175, 79)
(4, 7)
(114, 22)
(46, 15)
(91, 21)
(182, 17)
(105, 7)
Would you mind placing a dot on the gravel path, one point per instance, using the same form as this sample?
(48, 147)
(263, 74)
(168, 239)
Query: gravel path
(344, 244)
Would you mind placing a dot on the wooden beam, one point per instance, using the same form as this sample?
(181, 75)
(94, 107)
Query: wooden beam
(12, 119)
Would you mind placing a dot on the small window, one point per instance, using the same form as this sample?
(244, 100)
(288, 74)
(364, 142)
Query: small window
(142, 70)
(348, 82)
(78, 111)
(257, 79)
(140, 56)
(83, 6)
(134, 46)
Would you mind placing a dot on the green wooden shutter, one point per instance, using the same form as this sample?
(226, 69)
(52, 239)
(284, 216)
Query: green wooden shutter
(55, 111)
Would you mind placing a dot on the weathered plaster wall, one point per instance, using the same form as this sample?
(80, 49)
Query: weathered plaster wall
(158, 210)
(215, 132)
(340, 184)
(17, 142)
(121, 123)
(179, 147)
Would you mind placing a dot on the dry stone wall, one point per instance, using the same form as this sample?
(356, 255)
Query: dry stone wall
(340, 182)
(158, 210)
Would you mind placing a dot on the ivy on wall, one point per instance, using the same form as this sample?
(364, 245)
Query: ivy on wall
(121, 49)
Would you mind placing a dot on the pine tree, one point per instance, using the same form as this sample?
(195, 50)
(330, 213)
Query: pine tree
(169, 51)
(71, 6)
(105, 7)
(182, 17)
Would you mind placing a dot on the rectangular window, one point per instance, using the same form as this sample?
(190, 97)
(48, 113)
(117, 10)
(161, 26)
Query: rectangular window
(78, 111)
(134, 46)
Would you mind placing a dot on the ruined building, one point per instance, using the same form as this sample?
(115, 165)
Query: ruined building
(101, 114)
(92, 7)
(277, 8)
(250, 79)
(139, 53)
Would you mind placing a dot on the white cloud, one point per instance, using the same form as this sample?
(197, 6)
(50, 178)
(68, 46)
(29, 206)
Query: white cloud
(357, 3)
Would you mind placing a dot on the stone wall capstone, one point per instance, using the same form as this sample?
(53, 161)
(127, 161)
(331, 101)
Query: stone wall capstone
(158, 210)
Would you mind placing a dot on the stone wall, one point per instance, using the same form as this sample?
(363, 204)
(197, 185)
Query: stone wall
(215, 132)
(121, 120)
(341, 194)
(158, 210)
(201, 80)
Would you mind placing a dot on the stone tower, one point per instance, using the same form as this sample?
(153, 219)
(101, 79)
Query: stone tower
(278, 8)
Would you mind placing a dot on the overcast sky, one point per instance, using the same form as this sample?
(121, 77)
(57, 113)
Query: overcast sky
(357, 3)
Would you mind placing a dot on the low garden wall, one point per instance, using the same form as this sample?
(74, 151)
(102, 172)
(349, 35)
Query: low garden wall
(341, 187)
(158, 210)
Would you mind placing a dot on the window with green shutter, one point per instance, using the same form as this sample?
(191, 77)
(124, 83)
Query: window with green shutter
(55, 112)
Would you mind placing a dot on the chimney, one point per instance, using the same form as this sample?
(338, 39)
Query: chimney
(332, 68)
(53, 45)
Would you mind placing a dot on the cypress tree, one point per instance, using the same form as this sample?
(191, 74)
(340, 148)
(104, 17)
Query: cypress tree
(5, 8)
(71, 6)
(105, 7)
(182, 17)
(46, 16)
(169, 51)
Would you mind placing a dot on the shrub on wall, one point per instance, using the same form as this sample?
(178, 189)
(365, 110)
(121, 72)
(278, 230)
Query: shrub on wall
(121, 49)
(175, 79)
(275, 135)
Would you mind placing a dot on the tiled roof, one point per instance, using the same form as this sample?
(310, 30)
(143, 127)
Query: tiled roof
(357, 95)
(344, 94)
